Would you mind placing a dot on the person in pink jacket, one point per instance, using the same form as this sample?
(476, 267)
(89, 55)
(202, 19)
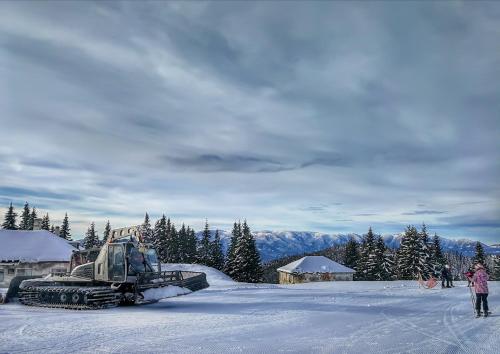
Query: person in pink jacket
(480, 281)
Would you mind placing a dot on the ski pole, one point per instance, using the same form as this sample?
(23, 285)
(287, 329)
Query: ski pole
(473, 300)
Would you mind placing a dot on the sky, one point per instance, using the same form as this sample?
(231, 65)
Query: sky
(317, 116)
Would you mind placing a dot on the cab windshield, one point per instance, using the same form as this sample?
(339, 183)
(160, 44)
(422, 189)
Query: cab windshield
(152, 258)
(138, 262)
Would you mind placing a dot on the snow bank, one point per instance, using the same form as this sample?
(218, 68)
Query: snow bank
(214, 276)
(33, 246)
(162, 293)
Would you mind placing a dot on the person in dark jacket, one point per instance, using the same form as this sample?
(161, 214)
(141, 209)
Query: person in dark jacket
(445, 276)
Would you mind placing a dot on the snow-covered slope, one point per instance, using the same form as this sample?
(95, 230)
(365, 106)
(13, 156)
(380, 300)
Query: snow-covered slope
(272, 244)
(464, 246)
(278, 244)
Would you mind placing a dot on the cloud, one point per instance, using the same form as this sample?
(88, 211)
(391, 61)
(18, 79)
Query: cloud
(325, 161)
(424, 212)
(233, 110)
(315, 208)
(234, 163)
(245, 163)
(35, 193)
(480, 224)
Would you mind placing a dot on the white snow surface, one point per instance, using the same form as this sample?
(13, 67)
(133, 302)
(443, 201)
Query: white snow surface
(327, 317)
(33, 246)
(315, 264)
(165, 292)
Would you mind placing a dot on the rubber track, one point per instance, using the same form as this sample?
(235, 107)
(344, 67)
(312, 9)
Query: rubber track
(92, 298)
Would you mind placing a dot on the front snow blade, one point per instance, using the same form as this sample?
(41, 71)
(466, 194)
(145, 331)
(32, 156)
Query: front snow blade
(13, 291)
(190, 280)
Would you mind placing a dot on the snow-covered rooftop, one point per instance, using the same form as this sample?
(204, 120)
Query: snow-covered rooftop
(315, 264)
(33, 246)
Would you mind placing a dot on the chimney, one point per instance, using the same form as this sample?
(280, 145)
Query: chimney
(37, 224)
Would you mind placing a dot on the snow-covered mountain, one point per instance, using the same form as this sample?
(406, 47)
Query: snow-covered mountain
(277, 244)
(465, 246)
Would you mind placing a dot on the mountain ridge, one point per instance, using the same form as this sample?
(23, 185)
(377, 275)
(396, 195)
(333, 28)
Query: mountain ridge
(277, 244)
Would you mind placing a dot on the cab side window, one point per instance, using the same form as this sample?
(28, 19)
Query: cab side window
(116, 263)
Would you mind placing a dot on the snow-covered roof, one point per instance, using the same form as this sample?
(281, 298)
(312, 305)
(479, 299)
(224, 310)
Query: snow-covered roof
(315, 264)
(33, 246)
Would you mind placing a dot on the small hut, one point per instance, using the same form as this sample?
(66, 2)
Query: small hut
(314, 268)
(30, 253)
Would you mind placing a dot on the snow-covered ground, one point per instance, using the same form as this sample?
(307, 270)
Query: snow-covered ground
(229, 317)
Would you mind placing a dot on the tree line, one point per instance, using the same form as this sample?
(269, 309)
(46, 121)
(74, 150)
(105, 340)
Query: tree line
(173, 245)
(242, 262)
(418, 256)
(373, 260)
(27, 221)
(180, 245)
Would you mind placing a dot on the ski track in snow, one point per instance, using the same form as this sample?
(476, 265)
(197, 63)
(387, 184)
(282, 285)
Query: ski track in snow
(228, 317)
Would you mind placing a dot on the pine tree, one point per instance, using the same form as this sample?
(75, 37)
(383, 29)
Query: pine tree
(496, 268)
(403, 255)
(247, 259)
(65, 229)
(10, 219)
(367, 265)
(45, 225)
(480, 257)
(204, 247)
(160, 239)
(230, 266)
(53, 229)
(217, 252)
(106, 233)
(25, 218)
(437, 258)
(425, 254)
(173, 245)
(384, 262)
(32, 218)
(255, 269)
(167, 241)
(351, 256)
(409, 255)
(182, 236)
(146, 230)
(91, 239)
(190, 246)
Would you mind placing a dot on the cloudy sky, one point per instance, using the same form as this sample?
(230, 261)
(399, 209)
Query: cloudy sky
(319, 116)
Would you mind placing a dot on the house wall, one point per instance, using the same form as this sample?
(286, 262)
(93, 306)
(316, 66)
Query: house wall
(287, 278)
(9, 270)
